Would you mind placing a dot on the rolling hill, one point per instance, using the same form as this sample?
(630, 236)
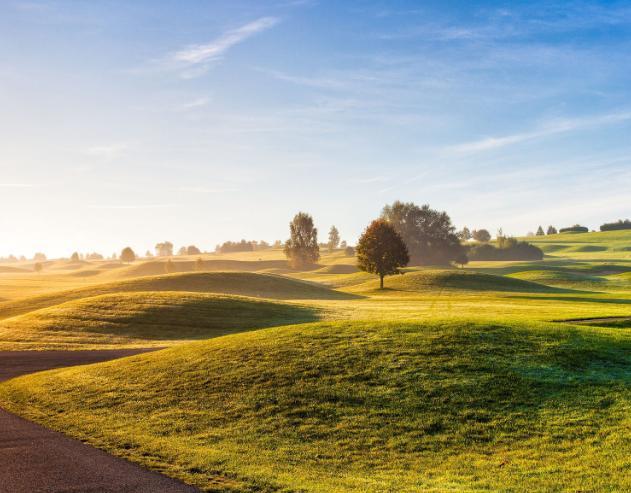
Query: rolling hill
(361, 406)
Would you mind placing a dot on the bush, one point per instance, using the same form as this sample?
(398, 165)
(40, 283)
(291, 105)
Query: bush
(626, 224)
(511, 249)
(574, 229)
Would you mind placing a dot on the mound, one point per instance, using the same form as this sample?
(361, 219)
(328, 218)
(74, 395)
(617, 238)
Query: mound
(338, 269)
(359, 407)
(138, 318)
(85, 273)
(588, 248)
(7, 269)
(557, 277)
(238, 283)
(453, 279)
(157, 267)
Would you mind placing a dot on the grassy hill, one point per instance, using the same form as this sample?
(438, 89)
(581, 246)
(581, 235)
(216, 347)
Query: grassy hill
(453, 279)
(237, 283)
(361, 407)
(144, 319)
(608, 244)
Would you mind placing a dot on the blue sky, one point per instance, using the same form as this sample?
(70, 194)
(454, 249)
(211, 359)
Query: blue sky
(128, 123)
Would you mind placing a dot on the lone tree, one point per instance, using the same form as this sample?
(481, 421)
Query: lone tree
(481, 235)
(381, 250)
(302, 246)
(38, 267)
(428, 234)
(540, 231)
(552, 230)
(199, 264)
(465, 234)
(334, 239)
(169, 266)
(127, 255)
(74, 257)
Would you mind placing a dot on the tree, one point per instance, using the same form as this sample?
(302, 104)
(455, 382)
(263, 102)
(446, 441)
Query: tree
(302, 246)
(127, 255)
(481, 235)
(551, 230)
(465, 234)
(164, 249)
(540, 231)
(148, 254)
(192, 250)
(182, 251)
(349, 251)
(74, 257)
(334, 238)
(38, 267)
(381, 250)
(428, 234)
(169, 266)
(39, 257)
(462, 259)
(199, 264)
(343, 244)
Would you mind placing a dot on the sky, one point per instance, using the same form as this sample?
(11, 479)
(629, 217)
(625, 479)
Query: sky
(130, 123)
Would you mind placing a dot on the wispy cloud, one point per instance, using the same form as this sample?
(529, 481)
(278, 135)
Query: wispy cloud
(548, 129)
(194, 104)
(215, 50)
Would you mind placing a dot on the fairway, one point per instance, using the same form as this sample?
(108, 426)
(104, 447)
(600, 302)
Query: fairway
(502, 376)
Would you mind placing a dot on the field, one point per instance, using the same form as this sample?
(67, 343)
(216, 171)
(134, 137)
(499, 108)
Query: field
(502, 376)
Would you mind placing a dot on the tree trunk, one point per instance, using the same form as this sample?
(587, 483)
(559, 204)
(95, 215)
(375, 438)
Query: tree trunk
(381, 281)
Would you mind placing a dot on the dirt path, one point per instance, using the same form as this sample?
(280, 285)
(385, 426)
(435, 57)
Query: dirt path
(34, 459)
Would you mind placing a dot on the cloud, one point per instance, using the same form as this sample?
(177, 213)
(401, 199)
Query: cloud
(196, 103)
(554, 127)
(215, 50)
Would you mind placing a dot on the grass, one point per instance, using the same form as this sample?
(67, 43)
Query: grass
(361, 406)
(503, 376)
(144, 319)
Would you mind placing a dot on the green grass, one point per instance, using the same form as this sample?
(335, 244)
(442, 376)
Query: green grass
(144, 319)
(503, 376)
(361, 406)
(238, 283)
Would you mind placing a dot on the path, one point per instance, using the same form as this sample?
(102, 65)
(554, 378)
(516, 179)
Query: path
(34, 459)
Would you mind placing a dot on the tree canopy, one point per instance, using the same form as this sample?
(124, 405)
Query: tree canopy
(481, 235)
(302, 246)
(428, 234)
(334, 238)
(381, 250)
(164, 249)
(127, 255)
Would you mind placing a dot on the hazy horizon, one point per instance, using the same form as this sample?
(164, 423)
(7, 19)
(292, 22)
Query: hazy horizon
(129, 124)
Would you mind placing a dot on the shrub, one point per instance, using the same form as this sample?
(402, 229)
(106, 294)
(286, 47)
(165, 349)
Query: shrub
(577, 228)
(511, 249)
(618, 225)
